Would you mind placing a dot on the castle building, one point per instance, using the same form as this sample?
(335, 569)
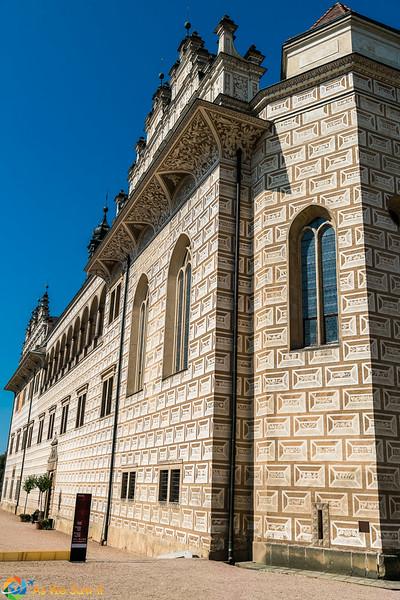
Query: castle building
(226, 381)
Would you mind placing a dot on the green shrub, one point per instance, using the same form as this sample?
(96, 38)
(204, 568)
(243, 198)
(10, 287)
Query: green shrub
(47, 524)
(25, 517)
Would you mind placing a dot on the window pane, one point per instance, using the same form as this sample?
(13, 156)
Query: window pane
(124, 485)
(83, 408)
(309, 288)
(179, 318)
(329, 286)
(131, 488)
(163, 489)
(141, 345)
(174, 486)
(187, 316)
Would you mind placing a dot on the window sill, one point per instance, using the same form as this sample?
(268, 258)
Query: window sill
(165, 377)
(312, 348)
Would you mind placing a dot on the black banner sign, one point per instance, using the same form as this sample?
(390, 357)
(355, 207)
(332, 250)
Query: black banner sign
(81, 528)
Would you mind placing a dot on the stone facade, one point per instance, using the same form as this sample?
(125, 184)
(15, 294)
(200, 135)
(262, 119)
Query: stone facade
(314, 463)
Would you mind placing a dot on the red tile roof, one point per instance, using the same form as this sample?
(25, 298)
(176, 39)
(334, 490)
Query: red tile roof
(335, 11)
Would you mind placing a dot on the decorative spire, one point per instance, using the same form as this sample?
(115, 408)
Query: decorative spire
(99, 233)
(226, 33)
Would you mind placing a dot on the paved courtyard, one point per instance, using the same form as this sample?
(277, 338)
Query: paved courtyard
(116, 574)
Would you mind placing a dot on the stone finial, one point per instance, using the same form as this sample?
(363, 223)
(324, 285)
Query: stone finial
(99, 233)
(120, 200)
(140, 146)
(225, 31)
(254, 56)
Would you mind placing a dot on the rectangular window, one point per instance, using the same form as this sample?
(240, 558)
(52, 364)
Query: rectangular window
(163, 486)
(24, 434)
(320, 524)
(11, 445)
(132, 485)
(30, 434)
(124, 485)
(40, 430)
(5, 488)
(37, 379)
(17, 490)
(106, 397)
(169, 485)
(115, 301)
(128, 483)
(175, 479)
(80, 413)
(64, 418)
(18, 440)
(50, 430)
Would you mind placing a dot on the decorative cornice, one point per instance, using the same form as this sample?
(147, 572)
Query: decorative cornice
(30, 363)
(351, 62)
(207, 133)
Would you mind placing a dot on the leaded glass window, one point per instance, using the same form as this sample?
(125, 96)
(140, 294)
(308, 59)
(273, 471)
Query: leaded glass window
(182, 314)
(141, 346)
(318, 283)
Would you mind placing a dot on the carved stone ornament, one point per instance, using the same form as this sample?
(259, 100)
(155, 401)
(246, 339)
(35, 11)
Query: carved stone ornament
(236, 133)
(53, 457)
(195, 152)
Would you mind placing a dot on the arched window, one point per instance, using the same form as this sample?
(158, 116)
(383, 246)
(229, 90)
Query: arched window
(313, 281)
(137, 347)
(176, 343)
(183, 283)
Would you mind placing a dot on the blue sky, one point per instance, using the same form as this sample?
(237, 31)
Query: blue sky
(77, 77)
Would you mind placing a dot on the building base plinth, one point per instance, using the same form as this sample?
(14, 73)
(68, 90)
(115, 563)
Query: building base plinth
(358, 563)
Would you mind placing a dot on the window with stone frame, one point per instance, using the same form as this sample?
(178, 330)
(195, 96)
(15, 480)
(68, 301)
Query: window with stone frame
(106, 396)
(50, 430)
(40, 429)
(128, 485)
(169, 485)
(115, 302)
(30, 434)
(80, 411)
(313, 280)
(10, 450)
(18, 441)
(137, 345)
(177, 320)
(64, 417)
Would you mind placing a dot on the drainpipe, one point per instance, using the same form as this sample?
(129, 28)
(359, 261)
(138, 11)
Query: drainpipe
(232, 449)
(8, 446)
(26, 440)
(104, 537)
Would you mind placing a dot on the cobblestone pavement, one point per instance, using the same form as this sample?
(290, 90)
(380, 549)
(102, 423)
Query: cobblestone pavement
(113, 574)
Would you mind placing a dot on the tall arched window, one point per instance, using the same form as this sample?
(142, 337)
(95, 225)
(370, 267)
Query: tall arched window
(313, 281)
(182, 314)
(177, 323)
(137, 347)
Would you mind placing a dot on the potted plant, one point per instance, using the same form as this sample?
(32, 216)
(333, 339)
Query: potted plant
(25, 517)
(29, 485)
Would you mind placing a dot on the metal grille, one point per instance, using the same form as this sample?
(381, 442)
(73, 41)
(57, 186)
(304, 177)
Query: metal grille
(174, 485)
(163, 489)
(124, 485)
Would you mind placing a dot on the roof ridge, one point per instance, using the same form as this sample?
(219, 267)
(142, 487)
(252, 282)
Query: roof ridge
(333, 12)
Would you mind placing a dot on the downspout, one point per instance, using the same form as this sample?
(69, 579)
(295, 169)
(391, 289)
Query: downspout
(26, 441)
(232, 450)
(104, 537)
(8, 446)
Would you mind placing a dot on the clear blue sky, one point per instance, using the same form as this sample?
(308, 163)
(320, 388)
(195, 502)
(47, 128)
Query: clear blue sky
(77, 78)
